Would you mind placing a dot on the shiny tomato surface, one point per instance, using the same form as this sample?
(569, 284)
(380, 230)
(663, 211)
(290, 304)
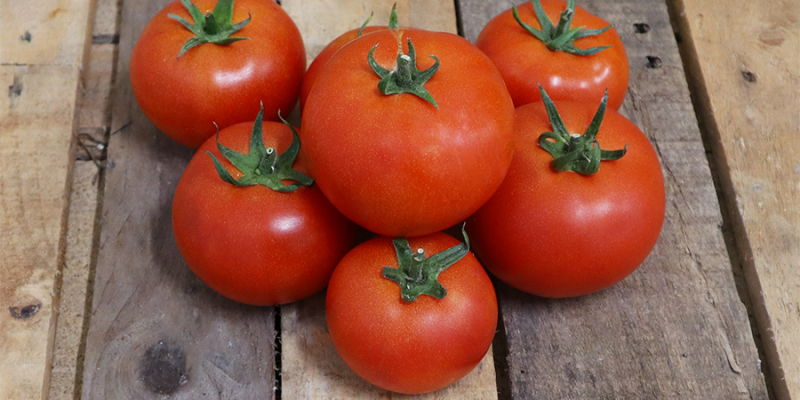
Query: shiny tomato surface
(524, 61)
(213, 83)
(396, 164)
(562, 234)
(413, 347)
(253, 244)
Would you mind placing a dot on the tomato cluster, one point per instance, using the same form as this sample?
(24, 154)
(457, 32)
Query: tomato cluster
(405, 132)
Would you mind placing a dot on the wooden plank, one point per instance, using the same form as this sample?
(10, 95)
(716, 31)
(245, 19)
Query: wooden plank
(42, 47)
(311, 368)
(156, 330)
(94, 118)
(675, 328)
(743, 63)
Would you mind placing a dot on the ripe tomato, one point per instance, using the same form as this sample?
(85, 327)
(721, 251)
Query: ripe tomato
(563, 234)
(253, 244)
(396, 164)
(211, 83)
(322, 58)
(414, 347)
(525, 61)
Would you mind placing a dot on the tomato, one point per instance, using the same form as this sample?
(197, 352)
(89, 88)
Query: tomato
(210, 83)
(563, 234)
(399, 165)
(525, 61)
(410, 347)
(254, 244)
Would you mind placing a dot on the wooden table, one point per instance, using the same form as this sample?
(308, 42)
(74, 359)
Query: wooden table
(101, 306)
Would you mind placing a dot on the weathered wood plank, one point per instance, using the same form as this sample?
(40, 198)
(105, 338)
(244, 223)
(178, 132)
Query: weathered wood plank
(676, 328)
(311, 368)
(743, 64)
(155, 328)
(93, 118)
(42, 47)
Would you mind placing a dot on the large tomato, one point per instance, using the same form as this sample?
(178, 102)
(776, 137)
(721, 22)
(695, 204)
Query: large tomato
(399, 165)
(410, 347)
(211, 83)
(525, 61)
(563, 234)
(254, 244)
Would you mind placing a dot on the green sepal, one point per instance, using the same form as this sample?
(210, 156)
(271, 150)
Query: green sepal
(418, 274)
(574, 152)
(561, 36)
(404, 77)
(215, 27)
(393, 20)
(262, 165)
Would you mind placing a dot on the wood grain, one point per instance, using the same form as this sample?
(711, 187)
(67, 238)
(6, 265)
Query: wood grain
(743, 62)
(311, 368)
(43, 48)
(676, 327)
(94, 119)
(156, 330)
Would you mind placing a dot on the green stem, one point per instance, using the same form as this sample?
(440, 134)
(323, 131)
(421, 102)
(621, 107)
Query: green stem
(560, 37)
(574, 152)
(215, 27)
(418, 274)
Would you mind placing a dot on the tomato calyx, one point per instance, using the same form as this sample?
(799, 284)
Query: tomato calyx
(261, 165)
(561, 36)
(575, 152)
(418, 274)
(404, 77)
(215, 27)
(393, 20)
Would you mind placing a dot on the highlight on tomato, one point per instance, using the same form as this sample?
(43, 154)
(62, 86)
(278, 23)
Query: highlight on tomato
(408, 131)
(197, 64)
(411, 315)
(574, 55)
(249, 222)
(576, 213)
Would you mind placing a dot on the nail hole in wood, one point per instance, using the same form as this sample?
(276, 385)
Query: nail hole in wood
(15, 90)
(749, 76)
(163, 368)
(654, 62)
(24, 312)
(26, 37)
(641, 27)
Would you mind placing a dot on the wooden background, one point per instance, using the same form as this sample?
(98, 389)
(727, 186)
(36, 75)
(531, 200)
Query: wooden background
(101, 306)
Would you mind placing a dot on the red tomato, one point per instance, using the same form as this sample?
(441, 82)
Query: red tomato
(563, 234)
(398, 165)
(524, 60)
(253, 244)
(210, 83)
(322, 58)
(415, 347)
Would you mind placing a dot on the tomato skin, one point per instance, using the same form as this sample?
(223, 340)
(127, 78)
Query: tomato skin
(253, 244)
(417, 347)
(524, 60)
(399, 166)
(212, 83)
(325, 55)
(562, 234)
